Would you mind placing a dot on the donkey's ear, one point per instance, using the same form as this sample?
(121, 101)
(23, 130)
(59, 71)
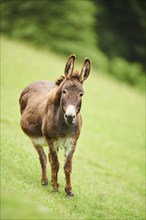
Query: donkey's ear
(69, 66)
(85, 70)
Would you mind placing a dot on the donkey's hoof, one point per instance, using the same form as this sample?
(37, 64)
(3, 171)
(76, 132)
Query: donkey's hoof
(44, 182)
(54, 192)
(55, 189)
(70, 195)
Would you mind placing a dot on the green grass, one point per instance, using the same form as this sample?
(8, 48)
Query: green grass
(108, 166)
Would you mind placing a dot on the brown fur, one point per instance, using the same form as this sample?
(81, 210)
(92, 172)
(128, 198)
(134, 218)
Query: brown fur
(43, 107)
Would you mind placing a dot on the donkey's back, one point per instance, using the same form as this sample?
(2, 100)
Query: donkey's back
(34, 90)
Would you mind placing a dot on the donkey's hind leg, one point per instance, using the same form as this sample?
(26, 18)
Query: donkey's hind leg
(43, 162)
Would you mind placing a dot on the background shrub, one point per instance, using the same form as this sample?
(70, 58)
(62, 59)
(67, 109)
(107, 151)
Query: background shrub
(102, 30)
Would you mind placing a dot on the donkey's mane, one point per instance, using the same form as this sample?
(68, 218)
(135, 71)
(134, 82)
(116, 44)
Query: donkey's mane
(74, 76)
(59, 81)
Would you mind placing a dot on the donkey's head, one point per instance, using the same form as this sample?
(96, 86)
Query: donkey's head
(71, 89)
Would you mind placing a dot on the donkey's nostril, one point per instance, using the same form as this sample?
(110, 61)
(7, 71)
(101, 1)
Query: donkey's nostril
(70, 117)
(66, 116)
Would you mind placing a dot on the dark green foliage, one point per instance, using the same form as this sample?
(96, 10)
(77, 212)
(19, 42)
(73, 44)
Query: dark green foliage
(52, 24)
(85, 28)
(124, 71)
(63, 26)
(121, 28)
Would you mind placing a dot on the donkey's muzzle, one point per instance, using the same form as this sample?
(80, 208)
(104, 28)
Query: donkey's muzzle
(70, 119)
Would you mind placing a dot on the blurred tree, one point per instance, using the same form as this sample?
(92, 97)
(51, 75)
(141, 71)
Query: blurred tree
(68, 25)
(85, 27)
(121, 28)
(60, 25)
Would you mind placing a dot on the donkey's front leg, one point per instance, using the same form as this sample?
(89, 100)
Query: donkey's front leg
(53, 158)
(68, 169)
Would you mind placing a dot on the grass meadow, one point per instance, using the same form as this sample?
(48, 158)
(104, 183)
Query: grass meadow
(109, 163)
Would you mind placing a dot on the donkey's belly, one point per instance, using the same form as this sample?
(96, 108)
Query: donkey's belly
(40, 141)
(65, 142)
(31, 129)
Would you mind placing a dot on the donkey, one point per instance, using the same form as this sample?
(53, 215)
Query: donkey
(50, 115)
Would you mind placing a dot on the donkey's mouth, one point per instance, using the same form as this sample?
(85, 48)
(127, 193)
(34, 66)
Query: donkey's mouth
(70, 123)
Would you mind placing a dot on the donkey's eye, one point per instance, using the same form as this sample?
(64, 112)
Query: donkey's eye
(81, 94)
(64, 91)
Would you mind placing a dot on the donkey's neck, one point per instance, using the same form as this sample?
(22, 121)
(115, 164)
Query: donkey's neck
(55, 126)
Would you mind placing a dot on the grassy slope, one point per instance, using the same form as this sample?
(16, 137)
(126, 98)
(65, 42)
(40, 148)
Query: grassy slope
(108, 166)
